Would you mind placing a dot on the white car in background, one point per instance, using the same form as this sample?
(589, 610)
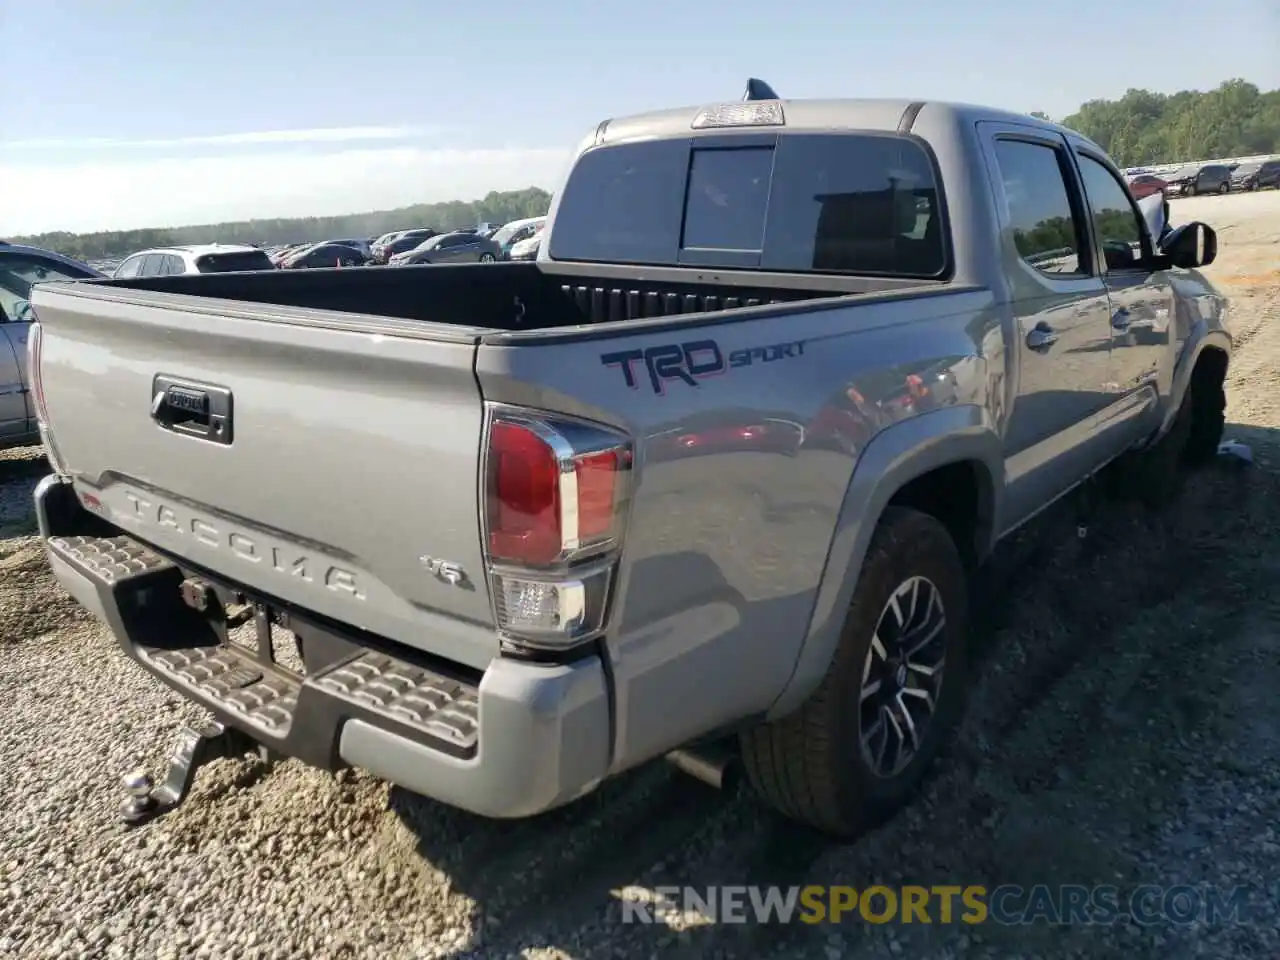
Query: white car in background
(193, 258)
(517, 230)
(526, 249)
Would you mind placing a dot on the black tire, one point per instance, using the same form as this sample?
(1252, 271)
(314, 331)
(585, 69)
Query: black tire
(1208, 409)
(1190, 190)
(1225, 188)
(487, 258)
(810, 765)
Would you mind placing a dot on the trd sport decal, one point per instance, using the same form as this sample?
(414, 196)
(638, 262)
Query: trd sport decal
(694, 361)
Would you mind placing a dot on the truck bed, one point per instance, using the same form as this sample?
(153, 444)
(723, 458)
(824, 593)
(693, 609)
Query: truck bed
(511, 296)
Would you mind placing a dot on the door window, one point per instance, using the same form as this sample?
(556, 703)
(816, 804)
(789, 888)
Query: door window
(1115, 219)
(130, 267)
(1046, 231)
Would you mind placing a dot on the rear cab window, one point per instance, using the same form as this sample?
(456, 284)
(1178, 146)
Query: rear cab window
(231, 262)
(850, 203)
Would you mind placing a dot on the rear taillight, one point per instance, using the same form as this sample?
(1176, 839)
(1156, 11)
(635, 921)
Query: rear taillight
(556, 497)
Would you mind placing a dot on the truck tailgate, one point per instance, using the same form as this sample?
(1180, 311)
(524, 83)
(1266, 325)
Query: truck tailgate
(352, 460)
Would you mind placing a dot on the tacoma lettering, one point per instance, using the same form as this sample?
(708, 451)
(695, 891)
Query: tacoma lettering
(283, 559)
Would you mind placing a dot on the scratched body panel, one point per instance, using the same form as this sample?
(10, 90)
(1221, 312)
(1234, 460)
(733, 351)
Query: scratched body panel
(745, 447)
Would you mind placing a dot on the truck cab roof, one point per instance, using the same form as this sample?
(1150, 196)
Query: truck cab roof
(815, 116)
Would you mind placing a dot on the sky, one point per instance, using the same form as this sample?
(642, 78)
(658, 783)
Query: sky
(138, 113)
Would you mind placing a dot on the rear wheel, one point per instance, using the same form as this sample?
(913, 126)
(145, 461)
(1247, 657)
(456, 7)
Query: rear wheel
(857, 749)
(487, 258)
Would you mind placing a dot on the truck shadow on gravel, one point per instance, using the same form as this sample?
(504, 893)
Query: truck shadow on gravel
(20, 471)
(1100, 689)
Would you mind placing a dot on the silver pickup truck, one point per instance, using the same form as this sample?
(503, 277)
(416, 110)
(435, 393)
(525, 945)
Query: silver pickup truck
(716, 469)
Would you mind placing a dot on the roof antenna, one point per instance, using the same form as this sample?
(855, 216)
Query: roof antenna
(759, 90)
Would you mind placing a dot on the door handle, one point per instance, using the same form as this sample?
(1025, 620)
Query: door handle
(1120, 320)
(1041, 337)
(195, 410)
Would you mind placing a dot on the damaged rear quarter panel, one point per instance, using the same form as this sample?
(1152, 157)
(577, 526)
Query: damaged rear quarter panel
(746, 434)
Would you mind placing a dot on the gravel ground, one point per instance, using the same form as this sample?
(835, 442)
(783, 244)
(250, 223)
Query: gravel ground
(1122, 731)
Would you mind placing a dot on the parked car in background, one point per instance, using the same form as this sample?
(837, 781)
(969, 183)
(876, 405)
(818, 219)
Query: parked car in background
(323, 255)
(383, 241)
(456, 247)
(1145, 184)
(21, 268)
(526, 249)
(1199, 178)
(515, 231)
(407, 240)
(365, 248)
(1256, 175)
(194, 258)
(276, 254)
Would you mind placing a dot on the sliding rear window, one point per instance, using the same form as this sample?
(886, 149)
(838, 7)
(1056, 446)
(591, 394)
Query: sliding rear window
(861, 203)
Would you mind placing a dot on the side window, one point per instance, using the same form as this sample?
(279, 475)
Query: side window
(151, 265)
(1115, 220)
(176, 264)
(130, 267)
(1046, 232)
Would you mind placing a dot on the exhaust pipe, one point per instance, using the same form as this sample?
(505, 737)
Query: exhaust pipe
(714, 767)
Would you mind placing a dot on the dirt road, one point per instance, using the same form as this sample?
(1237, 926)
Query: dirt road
(1122, 730)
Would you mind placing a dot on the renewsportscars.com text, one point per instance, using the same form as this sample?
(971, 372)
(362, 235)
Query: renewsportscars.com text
(946, 904)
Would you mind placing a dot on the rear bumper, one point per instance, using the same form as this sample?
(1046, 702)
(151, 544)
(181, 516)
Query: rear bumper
(515, 741)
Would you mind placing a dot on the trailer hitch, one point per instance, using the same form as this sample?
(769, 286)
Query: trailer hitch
(195, 748)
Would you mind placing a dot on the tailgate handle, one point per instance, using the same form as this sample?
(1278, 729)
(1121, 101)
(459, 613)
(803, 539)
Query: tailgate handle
(198, 410)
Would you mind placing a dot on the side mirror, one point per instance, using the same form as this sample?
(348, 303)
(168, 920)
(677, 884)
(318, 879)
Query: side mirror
(1194, 244)
(24, 312)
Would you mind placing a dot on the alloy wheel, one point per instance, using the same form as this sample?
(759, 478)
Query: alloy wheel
(902, 677)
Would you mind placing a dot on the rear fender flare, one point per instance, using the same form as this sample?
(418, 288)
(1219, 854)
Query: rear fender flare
(892, 459)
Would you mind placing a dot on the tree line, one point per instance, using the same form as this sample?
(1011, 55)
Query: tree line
(1142, 127)
(497, 207)
(1234, 120)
